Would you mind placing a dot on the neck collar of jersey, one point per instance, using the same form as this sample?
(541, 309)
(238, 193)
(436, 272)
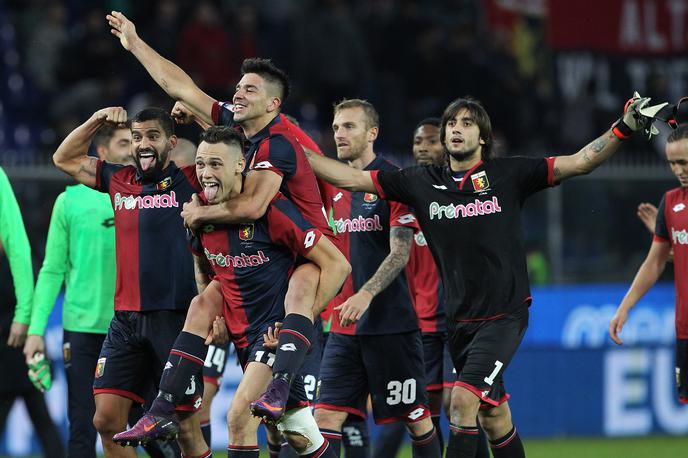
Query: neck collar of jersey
(264, 133)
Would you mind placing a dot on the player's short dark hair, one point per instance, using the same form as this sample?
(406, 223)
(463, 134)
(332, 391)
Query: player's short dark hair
(480, 116)
(156, 114)
(680, 133)
(222, 134)
(267, 70)
(429, 122)
(105, 133)
(372, 118)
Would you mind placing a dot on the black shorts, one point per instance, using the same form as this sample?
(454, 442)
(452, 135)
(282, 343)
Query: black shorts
(482, 350)
(389, 367)
(214, 365)
(448, 371)
(682, 370)
(261, 354)
(433, 356)
(134, 354)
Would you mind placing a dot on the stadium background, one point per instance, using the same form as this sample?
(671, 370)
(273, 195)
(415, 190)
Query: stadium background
(552, 74)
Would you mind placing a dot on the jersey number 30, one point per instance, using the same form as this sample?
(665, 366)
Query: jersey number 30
(401, 392)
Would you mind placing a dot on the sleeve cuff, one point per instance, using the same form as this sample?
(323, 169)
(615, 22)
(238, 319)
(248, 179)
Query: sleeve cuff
(376, 183)
(550, 171)
(659, 238)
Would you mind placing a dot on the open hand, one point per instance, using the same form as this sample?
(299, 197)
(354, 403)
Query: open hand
(122, 28)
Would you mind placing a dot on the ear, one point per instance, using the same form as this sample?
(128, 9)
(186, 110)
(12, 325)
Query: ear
(372, 133)
(240, 166)
(481, 141)
(173, 141)
(274, 104)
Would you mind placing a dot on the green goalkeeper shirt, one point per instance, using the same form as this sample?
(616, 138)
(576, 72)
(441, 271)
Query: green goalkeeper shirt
(81, 252)
(17, 248)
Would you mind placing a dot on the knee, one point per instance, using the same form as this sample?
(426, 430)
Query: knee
(201, 312)
(108, 423)
(496, 422)
(329, 419)
(464, 404)
(419, 428)
(303, 285)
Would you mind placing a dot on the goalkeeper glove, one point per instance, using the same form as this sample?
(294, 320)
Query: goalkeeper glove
(638, 116)
(39, 372)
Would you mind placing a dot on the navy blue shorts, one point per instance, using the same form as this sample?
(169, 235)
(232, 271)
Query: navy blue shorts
(433, 355)
(134, 354)
(448, 371)
(388, 367)
(310, 370)
(214, 365)
(482, 350)
(259, 353)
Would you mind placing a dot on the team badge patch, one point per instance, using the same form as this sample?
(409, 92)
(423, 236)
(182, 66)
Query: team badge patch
(66, 351)
(368, 197)
(100, 367)
(246, 232)
(480, 182)
(164, 184)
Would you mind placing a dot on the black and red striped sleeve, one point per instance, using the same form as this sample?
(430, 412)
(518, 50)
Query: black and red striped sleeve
(104, 174)
(278, 155)
(393, 185)
(289, 228)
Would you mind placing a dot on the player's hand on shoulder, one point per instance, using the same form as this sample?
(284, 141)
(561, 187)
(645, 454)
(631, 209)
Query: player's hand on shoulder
(191, 213)
(648, 215)
(351, 310)
(182, 115)
(616, 325)
(114, 115)
(34, 344)
(122, 28)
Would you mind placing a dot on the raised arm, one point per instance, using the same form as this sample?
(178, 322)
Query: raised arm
(72, 154)
(599, 150)
(400, 242)
(260, 187)
(334, 268)
(339, 174)
(647, 276)
(170, 77)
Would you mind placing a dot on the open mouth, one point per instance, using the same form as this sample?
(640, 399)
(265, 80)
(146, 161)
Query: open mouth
(210, 190)
(147, 160)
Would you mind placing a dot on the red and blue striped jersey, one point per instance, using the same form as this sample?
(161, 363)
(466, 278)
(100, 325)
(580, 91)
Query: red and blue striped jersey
(154, 267)
(672, 227)
(425, 286)
(363, 222)
(253, 262)
(277, 147)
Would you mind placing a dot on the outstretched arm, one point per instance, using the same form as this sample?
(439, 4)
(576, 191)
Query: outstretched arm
(647, 276)
(72, 154)
(338, 174)
(170, 77)
(401, 239)
(599, 150)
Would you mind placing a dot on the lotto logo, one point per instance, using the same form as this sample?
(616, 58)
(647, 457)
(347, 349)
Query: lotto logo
(406, 219)
(288, 347)
(263, 165)
(416, 414)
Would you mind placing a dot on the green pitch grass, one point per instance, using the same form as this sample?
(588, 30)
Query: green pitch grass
(632, 447)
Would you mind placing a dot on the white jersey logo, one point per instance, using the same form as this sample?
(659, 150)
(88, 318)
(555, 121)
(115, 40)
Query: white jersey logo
(263, 165)
(439, 186)
(678, 207)
(338, 196)
(406, 219)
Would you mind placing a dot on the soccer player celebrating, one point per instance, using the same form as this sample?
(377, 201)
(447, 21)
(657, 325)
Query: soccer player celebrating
(80, 252)
(469, 211)
(251, 262)
(669, 234)
(373, 316)
(276, 163)
(155, 280)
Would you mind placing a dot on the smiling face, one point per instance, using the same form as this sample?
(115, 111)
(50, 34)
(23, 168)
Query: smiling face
(677, 155)
(462, 136)
(427, 147)
(351, 133)
(150, 147)
(218, 168)
(254, 97)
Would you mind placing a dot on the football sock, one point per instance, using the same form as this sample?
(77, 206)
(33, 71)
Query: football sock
(509, 446)
(205, 429)
(389, 440)
(426, 446)
(274, 449)
(243, 451)
(292, 345)
(438, 430)
(183, 368)
(334, 438)
(463, 441)
(355, 439)
(483, 450)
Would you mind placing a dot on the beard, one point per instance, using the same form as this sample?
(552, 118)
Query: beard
(154, 171)
(462, 156)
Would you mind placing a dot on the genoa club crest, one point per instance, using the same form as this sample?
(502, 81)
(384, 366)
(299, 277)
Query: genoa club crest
(480, 182)
(100, 367)
(246, 232)
(164, 184)
(368, 197)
